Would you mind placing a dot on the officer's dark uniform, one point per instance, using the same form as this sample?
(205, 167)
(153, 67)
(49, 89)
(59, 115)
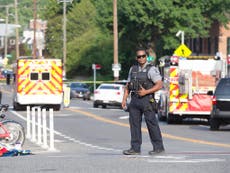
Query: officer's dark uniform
(143, 105)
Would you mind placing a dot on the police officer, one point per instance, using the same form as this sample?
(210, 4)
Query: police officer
(143, 80)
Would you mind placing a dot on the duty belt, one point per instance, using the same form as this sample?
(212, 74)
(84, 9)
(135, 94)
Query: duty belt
(134, 94)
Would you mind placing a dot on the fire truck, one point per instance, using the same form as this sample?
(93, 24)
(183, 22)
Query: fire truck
(38, 82)
(187, 82)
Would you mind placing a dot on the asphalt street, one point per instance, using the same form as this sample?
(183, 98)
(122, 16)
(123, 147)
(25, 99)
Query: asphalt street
(91, 139)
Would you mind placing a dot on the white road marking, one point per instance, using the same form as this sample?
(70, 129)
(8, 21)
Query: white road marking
(73, 139)
(19, 115)
(185, 160)
(124, 117)
(170, 157)
(174, 159)
(63, 115)
(76, 107)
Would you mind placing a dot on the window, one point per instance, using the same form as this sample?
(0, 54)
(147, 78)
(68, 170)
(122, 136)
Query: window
(209, 45)
(200, 45)
(45, 76)
(216, 44)
(109, 87)
(33, 76)
(194, 46)
(12, 42)
(228, 45)
(223, 87)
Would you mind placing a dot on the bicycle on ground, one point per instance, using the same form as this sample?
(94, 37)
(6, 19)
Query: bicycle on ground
(11, 132)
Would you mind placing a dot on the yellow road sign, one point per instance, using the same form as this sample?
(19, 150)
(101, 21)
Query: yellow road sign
(183, 51)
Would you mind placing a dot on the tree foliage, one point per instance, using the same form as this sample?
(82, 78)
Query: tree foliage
(25, 11)
(155, 22)
(86, 41)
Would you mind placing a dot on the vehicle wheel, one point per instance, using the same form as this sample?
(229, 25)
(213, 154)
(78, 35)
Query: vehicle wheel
(57, 107)
(160, 112)
(178, 119)
(103, 106)
(95, 105)
(214, 124)
(170, 118)
(17, 133)
(18, 107)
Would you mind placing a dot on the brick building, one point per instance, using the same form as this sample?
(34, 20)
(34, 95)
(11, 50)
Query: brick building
(217, 43)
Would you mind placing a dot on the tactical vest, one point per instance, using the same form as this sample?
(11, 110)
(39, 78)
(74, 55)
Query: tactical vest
(140, 78)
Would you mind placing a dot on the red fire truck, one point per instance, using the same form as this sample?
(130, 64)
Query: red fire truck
(186, 84)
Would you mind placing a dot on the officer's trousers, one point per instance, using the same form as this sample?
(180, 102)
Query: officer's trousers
(139, 106)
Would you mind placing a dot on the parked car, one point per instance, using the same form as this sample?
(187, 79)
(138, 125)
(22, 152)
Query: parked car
(108, 94)
(220, 114)
(79, 90)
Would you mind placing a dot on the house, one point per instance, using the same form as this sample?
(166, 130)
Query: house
(10, 32)
(28, 35)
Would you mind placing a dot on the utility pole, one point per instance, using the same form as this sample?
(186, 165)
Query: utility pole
(64, 35)
(6, 31)
(35, 29)
(16, 29)
(64, 39)
(182, 35)
(116, 67)
(6, 27)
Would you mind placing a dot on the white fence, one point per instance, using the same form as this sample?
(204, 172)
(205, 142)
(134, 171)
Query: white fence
(37, 130)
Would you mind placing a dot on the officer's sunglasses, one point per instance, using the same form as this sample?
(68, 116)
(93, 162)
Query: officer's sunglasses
(141, 56)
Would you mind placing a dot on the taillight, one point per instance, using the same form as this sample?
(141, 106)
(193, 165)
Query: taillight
(96, 92)
(118, 93)
(213, 100)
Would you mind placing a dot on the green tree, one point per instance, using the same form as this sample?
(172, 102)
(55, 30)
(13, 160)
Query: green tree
(25, 11)
(156, 22)
(86, 42)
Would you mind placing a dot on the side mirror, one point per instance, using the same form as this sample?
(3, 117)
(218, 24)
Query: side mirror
(210, 93)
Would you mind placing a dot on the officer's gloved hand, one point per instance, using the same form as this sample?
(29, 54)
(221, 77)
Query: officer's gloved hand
(142, 91)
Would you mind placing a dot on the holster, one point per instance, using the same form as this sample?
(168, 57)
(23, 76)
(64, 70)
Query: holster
(153, 102)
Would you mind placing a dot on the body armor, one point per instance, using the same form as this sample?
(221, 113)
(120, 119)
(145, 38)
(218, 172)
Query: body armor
(140, 78)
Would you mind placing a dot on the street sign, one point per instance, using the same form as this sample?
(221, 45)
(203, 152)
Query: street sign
(183, 51)
(116, 67)
(96, 66)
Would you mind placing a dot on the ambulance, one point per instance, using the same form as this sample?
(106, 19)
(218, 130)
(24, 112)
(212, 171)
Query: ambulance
(38, 82)
(187, 82)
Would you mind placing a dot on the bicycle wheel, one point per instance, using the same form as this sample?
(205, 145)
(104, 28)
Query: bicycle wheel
(16, 130)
